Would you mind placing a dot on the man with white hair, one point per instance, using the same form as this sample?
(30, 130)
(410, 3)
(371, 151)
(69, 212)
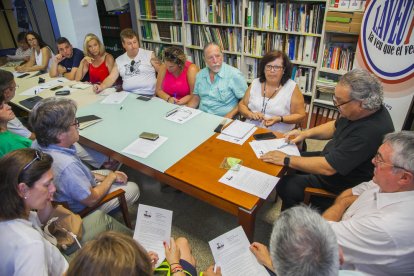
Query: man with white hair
(374, 221)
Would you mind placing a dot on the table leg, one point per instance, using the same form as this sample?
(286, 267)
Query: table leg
(247, 219)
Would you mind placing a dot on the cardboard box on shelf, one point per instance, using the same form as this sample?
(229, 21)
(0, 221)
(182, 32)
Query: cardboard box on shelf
(337, 27)
(355, 27)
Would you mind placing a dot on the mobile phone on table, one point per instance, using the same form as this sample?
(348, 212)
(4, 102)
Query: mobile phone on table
(56, 88)
(149, 136)
(62, 93)
(264, 136)
(144, 98)
(23, 75)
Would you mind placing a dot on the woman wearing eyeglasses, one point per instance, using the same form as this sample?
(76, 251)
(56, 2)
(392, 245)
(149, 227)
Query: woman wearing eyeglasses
(274, 100)
(176, 77)
(26, 184)
(96, 61)
(41, 58)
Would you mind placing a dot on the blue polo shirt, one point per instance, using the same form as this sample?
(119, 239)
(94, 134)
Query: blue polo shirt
(73, 61)
(221, 96)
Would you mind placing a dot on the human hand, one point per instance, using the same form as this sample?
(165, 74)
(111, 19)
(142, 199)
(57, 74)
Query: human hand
(256, 116)
(274, 156)
(59, 58)
(172, 252)
(97, 88)
(88, 59)
(19, 69)
(271, 121)
(295, 136)
(154, 258)
(210, 271)
(262, 254)
(172, 100)
(121, 177)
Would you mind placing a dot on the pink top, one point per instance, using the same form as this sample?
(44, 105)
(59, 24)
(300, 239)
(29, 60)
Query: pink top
(177, 87)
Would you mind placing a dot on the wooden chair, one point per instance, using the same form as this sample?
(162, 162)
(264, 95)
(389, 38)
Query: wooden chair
(120, 194)
(316, 192)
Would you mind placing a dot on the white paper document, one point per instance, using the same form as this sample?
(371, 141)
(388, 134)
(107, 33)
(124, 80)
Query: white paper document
(231, 252)
(81, 85)
(263, 146)
(143, 147)
(107, 91)
(181, 114)
(44, 86)
(250, 181)
(152, 228)
(238, 129)
(239, 141)
(115, 98)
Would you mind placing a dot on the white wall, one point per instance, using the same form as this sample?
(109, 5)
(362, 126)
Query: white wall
(75, 20)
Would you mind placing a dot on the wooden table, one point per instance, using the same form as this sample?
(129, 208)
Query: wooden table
(198, 173)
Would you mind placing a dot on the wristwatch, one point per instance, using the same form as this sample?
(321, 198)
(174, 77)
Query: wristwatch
(286, 161)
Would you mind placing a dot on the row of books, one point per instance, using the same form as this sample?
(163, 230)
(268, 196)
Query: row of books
(304, 77)
(302, 48)
(258, 43)
(227, 38)
(213, 11)
(338, 57)
(292, 17)
(196, 57)
(160, 9)
(161, 31)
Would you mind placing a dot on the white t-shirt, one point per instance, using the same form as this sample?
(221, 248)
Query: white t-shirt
(376, 232)
(24, 251)
(279, 105)
(138, 74)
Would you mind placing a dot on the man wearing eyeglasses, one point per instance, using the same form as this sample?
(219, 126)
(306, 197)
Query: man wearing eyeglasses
(66, 63)
(219, 87)
(374, 221)
(354, 139)
(136, 67)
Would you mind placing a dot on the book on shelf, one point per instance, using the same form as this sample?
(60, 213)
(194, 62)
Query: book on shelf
(213, 11)
(304, 77)
(160, 9)
(227, 38)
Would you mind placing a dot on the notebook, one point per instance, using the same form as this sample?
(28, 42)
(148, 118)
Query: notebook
(29, 103)
(88, 120)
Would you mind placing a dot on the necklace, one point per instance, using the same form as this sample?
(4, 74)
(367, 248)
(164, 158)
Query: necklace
(264, 103)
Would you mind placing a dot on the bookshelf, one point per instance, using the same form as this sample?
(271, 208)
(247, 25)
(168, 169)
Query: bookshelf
(246, 30)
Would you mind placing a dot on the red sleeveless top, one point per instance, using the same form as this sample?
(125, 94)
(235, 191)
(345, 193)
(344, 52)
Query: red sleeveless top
(98, 74)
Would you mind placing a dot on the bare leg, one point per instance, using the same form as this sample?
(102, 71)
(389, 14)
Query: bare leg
(185, 250)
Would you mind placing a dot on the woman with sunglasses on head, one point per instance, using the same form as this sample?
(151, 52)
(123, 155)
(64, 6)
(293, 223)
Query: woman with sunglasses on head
(176, 77)
(274, 100)
(41, 54)
(96, 61)
(26, 184)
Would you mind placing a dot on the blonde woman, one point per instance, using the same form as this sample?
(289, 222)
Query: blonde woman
(41, 54)
(96, 61)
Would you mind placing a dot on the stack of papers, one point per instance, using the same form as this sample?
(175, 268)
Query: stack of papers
(250, 181)
(232, 253)
(182, 114)
(153, 227)
(143, 147)
(238, 129)
(88, 120)
(263, 146)
(115, 98)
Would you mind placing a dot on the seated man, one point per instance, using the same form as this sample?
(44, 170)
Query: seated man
(374, 221)
(218, 87)
(56, 128)
(66, 63)
(23, 52)
(355, 137)
(136, 67)
(302, 243)
(8, 88)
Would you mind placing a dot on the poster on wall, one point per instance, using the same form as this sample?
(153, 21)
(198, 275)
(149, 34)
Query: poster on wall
(386, 48)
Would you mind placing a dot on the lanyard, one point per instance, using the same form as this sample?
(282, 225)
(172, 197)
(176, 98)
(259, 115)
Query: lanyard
(264, 103)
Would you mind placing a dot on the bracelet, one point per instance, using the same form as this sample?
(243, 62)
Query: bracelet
(177, 268)
(281, 119)
(181, 270)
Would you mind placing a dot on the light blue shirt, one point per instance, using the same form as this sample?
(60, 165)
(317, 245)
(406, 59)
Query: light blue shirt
(72, 178)
(221, 96)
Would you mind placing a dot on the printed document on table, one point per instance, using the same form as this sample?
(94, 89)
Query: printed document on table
(182, 114)
(143, 147)
(231, 252)
(263, 146)
(115, 98)
(238, 129)
(108, 91)
(44, 86)
(235, 140)
(250, 181)
(152, 228)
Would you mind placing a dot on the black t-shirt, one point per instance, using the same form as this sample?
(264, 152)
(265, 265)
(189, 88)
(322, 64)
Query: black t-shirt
(73, 61)
(352, 148)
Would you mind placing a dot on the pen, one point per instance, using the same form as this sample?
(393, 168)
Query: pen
(171, 112)
(121, 107)
(284, 145)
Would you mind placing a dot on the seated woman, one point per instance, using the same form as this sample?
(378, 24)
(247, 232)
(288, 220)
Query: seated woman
(273, 100)
(176, 77)
(96, 61)
(9, 141)
(26, 183)
(23, 52)
(41, 57)
(117, 254)
(57, 130)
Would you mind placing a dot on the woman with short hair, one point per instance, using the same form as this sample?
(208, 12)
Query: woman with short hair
(96, 61)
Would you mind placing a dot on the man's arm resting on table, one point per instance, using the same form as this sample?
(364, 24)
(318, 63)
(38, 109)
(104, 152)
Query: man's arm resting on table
(342, 202)
(71, 74)
(99, 191)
